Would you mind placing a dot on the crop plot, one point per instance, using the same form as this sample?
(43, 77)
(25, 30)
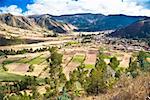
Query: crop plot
(24, 60)
(17, 67)
(89, 66)
(5, 76)
(78, 58)
(37, 60)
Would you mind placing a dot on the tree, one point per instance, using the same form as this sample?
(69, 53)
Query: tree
(56, 74)
(64, 96)
(141, 58)
(114, 63)
(133, 67)
(31, 68)
(96, 82)
(2, 95)
(35, 93)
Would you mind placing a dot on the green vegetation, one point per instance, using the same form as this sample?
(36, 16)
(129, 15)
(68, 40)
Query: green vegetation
(57, 78)
(31, 68)
(23, 51)
(89, 66)
(86, 79)
(78, 58)
(7, 62)
(9, 77)
(114, 63)
(71, 43)
(37, 60)
(11, 41)
(4, 68)
(96, 82)
(23, 60)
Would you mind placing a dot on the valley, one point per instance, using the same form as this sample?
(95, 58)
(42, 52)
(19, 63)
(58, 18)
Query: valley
(48, 59)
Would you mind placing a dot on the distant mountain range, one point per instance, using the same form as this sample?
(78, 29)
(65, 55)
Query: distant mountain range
(97, 22)
(16, 21)
(64, 24)
(46, 21)
(137, 30)
(32, 22)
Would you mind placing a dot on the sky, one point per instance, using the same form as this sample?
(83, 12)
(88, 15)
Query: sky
(62, 7)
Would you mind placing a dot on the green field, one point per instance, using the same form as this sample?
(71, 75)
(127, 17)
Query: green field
(37, 60)
(71, 43)
(5, 76)
(23, 60)
(7, 62)
(89, 66)
(78, 58)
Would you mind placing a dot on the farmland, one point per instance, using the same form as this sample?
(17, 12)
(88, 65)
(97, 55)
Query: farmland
(17, 67)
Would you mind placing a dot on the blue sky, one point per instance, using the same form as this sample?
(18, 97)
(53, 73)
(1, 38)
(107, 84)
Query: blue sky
(20, 3)
(59, 7)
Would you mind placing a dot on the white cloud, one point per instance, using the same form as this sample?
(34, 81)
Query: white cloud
(59, 7)
(13, 9)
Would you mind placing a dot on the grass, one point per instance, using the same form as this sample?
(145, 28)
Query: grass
(89, 66)
(23, 60)
(7, 62)
(37, 60)
(10, 77)
(71, 43)
(78, 58)
(5, 76)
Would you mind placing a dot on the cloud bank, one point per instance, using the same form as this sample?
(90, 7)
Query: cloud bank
(11, 9)
(61, 7)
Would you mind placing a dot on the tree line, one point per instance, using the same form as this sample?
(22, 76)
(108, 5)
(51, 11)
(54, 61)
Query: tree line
(23, 51)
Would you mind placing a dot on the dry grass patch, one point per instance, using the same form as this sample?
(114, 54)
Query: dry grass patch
(90, 59)
(17, 67)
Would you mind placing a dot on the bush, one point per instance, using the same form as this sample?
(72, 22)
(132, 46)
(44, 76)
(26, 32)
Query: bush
(31, 68)
(5, 69)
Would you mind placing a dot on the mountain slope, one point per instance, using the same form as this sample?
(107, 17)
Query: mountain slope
(16, 21)
(139, 29)
(47, 22)
(33, 22)
(97, 22)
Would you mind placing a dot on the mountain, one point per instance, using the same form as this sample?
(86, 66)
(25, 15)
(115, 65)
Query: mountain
(16, 21)
(35, 21)
(66, 23)
(139, 29)
(47, 22)
(97, 22)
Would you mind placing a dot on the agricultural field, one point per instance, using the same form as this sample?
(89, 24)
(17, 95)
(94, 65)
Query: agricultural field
(17, 67)
(72, 58)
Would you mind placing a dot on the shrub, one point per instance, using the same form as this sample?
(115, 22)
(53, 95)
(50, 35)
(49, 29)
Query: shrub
(5, 69)
(31, 68)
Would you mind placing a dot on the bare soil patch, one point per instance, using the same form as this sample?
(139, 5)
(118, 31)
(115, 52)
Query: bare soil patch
(17, 67)
(90, 58)
(71, 66)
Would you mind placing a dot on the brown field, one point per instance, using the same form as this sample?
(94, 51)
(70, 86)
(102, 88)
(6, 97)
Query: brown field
(71, 66)
(90, 58)
(148, 59)
(17, 67)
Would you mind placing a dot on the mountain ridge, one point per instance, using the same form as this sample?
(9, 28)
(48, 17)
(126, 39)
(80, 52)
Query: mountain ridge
(139, 29)
(30, 23)
(87, 22)
(98, 22)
